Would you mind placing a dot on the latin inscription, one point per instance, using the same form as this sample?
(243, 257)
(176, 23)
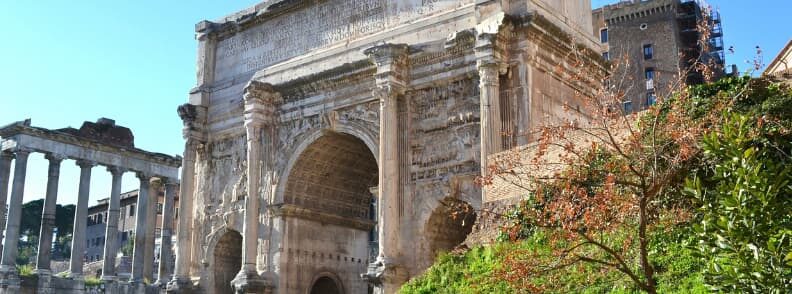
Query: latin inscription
(316, 27)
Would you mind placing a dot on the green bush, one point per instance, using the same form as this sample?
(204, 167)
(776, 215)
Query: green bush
(92, 281)
(487, 269)
(25, 270)
(746, 230)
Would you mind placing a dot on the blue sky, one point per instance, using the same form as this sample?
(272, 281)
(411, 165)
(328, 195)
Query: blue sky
(64, 62)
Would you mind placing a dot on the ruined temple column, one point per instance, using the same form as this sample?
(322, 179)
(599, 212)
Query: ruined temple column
(111, 232)
(165, 237)
(141, 223)
(387, 273)
(148, 262)
(8, 272)
(259, 113)
(80, 221)
(5, 175)
(48, 215)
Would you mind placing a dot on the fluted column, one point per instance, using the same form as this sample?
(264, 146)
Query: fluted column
(8, 274)
(80, 220)
(48, 215)
(192, 117)
(5, 175)
(259, 114)
(489, 98)
(387, 272)
(141, 222)
(111, 233)
(491, 60)
(165, 233)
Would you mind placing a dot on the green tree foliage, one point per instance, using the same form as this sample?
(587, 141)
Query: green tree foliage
(30, 228)
(746, 197)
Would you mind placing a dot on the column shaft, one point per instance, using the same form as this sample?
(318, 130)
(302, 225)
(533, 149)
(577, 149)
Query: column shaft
(80, 221)
(489, 97)
(8, 264)
(111, 232)
(250, 228)
(48, 215)
(151, 215)
(184, 233)
(388, 178)
(166, 254)
(141, 218)
(5, 175)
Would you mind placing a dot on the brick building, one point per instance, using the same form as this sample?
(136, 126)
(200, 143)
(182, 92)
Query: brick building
(653, 42)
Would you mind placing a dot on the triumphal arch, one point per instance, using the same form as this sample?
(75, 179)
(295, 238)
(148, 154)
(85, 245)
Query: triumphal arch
(333, 146)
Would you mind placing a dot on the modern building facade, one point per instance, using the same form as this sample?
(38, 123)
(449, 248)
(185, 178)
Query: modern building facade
(654, 46)
(97, 223)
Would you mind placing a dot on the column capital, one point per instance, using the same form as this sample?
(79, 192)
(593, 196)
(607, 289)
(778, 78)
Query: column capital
(169, 181)
(144, 177)
(85, 163)
(155, 182)
(6, 155)
(193, 119)
(55, 157)
(21, 151)
(492, 41)
(260, 104)
(116, 170)
(392, 62)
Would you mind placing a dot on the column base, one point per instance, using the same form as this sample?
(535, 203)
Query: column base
(44, 281)
(249, 281)
(109, 278)
(386, 276)
(9, 279)
(180, 285)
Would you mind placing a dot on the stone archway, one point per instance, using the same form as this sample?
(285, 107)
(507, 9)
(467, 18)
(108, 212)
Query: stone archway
(327, 206)
(227, 261)
(325, 285)
(449, 225)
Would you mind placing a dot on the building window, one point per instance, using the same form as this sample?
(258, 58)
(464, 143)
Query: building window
(132, 210)
(159, 208)
(606, 55)
(157, 232)
(604, 35)
(650, 73)
(627, 107)
(648, 51)
(651, 98)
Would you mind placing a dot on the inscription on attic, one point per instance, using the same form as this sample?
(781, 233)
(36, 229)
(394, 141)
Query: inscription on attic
(316, 27)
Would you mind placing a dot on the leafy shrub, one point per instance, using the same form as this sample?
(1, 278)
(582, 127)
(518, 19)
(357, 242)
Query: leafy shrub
(746, 230)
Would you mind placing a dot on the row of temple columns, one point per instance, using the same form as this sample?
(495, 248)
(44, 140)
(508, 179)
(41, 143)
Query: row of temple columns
(143, 256)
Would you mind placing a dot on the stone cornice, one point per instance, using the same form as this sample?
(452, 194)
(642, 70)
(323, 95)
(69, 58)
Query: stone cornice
(23, 128)
(290, 210)
(247, 18)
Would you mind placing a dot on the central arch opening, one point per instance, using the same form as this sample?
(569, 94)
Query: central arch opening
(329, 213)
(325, 285)
(228, 261)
